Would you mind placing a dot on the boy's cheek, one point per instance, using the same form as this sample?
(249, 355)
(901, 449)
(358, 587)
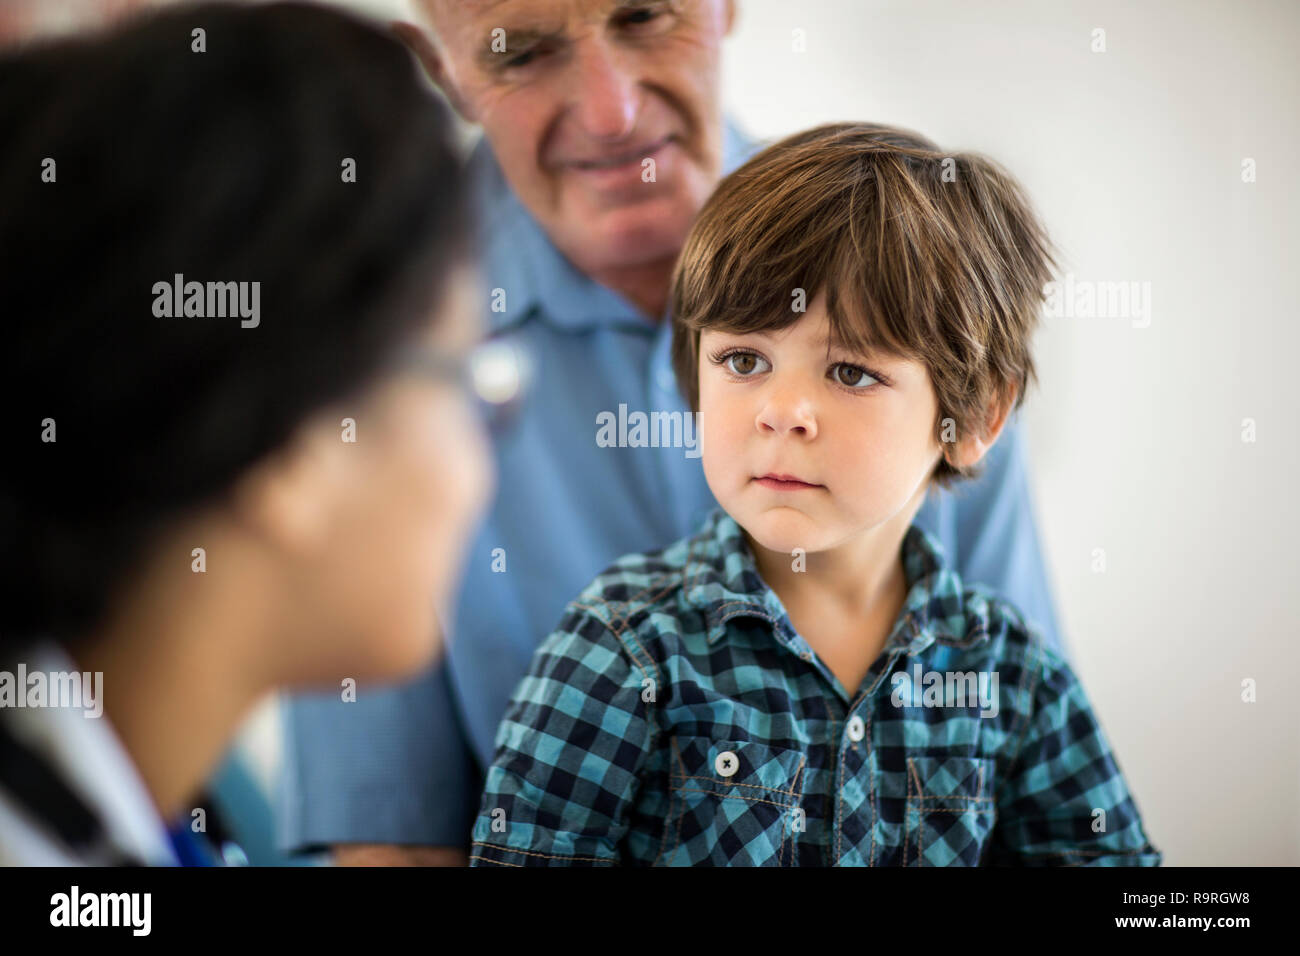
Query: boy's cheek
(722, 455)
(721, 439)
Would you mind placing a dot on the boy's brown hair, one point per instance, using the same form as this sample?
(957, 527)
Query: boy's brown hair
(933, 256)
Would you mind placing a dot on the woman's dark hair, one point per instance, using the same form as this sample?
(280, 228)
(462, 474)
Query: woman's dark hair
(227, 165)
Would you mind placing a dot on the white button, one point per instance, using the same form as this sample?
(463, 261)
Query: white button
(857, 729)
(233, 854)
(726, 764)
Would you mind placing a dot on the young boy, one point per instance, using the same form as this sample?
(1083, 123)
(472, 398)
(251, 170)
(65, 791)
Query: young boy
(806, 680)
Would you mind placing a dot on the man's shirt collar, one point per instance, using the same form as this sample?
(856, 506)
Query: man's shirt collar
(721, 579)
(519, 257)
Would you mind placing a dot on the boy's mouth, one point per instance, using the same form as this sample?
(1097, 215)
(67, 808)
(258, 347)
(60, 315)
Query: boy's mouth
(779, 482)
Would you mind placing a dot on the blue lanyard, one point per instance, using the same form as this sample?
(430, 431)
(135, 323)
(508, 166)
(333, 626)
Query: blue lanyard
(190, 850)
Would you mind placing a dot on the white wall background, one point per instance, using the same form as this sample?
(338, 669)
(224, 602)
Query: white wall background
(1134, 158)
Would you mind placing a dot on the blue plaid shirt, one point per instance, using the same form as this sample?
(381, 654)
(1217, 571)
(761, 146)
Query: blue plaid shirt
(405, 764)
(675, 718)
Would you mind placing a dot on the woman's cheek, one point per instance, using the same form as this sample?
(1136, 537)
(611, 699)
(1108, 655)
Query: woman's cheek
(462, 480)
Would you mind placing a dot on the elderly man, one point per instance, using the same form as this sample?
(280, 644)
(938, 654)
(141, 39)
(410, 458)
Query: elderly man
(603, 137)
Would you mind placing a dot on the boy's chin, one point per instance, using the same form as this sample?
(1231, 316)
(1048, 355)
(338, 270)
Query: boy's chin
(783, 530)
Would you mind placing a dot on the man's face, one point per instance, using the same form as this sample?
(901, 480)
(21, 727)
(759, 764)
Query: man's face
(856, 448)
(604, 114)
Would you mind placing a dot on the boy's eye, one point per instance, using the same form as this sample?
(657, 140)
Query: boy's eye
(852, 376)
(745, 363)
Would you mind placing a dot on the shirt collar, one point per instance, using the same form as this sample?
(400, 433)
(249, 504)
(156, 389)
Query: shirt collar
(520, 258)
(722, 580)
(87, 753)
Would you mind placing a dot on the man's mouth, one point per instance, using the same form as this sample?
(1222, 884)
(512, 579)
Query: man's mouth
(621, 158)
(781, 482)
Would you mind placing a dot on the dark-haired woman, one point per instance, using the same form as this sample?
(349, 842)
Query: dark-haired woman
(262, 480)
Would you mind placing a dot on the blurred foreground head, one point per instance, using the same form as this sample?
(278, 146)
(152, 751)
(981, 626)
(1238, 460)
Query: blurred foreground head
(22, 21)
(226, 229)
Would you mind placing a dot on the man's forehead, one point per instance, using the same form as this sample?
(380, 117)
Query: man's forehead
(529, 10)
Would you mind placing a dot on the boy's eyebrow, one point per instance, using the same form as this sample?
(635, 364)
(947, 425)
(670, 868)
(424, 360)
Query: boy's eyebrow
(829, 342)
(826, 343)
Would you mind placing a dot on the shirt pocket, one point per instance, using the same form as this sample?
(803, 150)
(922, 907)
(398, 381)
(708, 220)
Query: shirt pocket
(950, 813)
(732, 803)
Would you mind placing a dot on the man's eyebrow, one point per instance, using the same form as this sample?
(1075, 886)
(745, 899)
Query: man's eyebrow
(483, 6)
(516, 39)
(523, 37)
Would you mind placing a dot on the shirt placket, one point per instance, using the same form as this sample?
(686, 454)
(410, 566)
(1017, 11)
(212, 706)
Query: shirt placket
(851, 809)
(856, 811)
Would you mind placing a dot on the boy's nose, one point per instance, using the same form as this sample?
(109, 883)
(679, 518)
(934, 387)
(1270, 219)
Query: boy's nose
(787, 411)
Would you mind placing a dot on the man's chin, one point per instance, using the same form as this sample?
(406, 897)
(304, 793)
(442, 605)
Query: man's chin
(630, 235)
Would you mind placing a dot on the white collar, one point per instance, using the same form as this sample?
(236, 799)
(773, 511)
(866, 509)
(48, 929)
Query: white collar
(88, 756)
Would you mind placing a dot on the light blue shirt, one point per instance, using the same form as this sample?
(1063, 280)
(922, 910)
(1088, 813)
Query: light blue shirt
(405, 765)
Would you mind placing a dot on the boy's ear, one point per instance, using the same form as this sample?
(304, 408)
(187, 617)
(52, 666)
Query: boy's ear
(971, 447)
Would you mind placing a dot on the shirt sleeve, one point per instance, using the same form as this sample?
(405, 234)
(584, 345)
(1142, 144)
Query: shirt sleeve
(997, 535)
(1063, 801)
(391, 767)
(568, 754)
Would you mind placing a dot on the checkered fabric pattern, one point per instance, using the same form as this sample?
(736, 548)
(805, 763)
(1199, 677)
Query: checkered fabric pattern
(675, 718)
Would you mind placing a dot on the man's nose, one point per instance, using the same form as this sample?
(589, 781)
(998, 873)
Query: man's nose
(787, 410)
(607, 93)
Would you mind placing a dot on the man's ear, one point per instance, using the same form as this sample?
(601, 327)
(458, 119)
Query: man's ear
(971, 448)
(418, 42)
